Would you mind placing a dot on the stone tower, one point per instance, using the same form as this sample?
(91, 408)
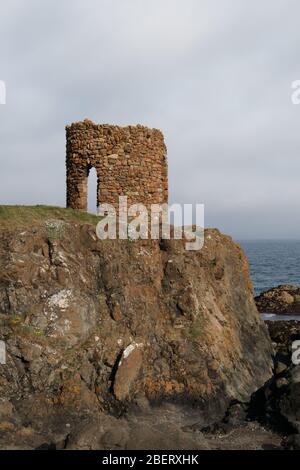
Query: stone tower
(129, 161)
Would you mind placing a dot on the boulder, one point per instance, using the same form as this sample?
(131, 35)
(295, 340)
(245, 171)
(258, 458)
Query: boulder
(279, 400)
(128, 369)
(282, 300)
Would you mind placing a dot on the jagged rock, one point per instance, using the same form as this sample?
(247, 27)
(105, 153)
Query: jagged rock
(283, 300)
(204, 343)
(280, 398)
(295, 375)
(280, 367)
(128, 368)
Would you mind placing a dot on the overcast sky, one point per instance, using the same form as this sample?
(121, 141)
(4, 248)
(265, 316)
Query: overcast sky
(214, 75)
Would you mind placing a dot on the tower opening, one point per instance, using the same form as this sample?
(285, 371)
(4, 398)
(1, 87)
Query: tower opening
(92, 191)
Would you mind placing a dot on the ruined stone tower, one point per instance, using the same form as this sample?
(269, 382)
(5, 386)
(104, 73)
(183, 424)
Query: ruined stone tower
(129, 161)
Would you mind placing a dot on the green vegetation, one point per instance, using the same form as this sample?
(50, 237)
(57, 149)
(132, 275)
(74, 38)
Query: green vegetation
(195, 331)
(17, 323)
(16, 216)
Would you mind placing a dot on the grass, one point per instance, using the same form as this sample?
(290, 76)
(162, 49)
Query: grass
(195, 331)
(18, 325)
(16, 216)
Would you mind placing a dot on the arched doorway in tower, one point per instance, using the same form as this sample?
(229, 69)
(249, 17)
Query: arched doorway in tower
(92, 191)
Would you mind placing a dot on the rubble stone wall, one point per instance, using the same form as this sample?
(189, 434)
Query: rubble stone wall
(129, 161)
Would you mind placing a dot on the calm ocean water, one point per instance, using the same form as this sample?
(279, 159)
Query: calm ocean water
(273, 262)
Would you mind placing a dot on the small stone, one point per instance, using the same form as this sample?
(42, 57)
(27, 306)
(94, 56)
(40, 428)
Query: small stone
(282, 382)
(117, 313)
(295, 375)
(280, 367)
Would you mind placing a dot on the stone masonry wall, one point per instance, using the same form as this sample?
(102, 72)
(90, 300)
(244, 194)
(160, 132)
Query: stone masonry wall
(130, 161)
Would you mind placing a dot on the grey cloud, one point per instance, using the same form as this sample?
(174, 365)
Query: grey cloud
(214, 76)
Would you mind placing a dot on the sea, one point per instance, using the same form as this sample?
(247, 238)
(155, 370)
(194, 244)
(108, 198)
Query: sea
(273, 262)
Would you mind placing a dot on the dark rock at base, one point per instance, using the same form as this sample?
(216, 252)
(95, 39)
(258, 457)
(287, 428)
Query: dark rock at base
(282, 300)
(283, 333)
(236, 415)
(278, 403)
(292, 442)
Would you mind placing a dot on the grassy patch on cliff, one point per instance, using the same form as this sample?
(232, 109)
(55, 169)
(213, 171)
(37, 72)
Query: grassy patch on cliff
(196, 330)
(13, 216)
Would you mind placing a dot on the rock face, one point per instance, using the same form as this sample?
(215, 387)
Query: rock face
(284, 299)
(187, 329)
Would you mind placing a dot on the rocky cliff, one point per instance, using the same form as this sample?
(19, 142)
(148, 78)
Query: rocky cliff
(93, 328)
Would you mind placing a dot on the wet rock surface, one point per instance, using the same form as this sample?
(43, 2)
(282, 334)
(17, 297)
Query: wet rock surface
(71, 306)
(283, 300)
